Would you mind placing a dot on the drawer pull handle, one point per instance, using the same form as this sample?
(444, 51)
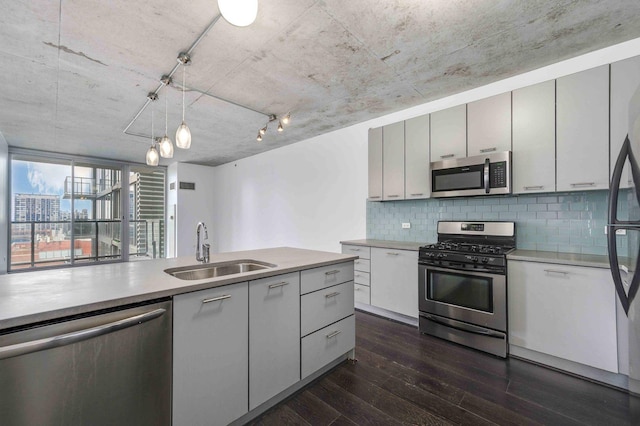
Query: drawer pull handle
(447, 156)
(282, 284)
(555, 271)
(335, 271)
(358, 289)
(354, 249)
(216, 299)
(393, 196)
(334, 334)
(390, 253)
(492, 149)
(574, 185)
(531, 188)
(417, 195)
(374, 197)
(334, 294)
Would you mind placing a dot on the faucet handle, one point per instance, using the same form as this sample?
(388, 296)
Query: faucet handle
(205, 254)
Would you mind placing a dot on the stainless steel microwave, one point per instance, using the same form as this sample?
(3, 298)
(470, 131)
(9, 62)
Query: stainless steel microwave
(486, 174)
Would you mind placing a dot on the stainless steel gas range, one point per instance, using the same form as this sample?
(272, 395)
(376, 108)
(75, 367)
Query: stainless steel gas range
(463, 284)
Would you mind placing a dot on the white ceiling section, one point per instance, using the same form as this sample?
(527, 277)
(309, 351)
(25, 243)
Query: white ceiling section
(76, 72)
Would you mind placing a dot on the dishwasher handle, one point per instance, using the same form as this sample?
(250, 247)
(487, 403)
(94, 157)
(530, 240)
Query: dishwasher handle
(76, 336)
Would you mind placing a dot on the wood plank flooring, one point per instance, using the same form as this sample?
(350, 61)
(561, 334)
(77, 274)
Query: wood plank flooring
(404, 377)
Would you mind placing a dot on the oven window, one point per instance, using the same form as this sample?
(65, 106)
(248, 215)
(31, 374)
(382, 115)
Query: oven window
(467, 291)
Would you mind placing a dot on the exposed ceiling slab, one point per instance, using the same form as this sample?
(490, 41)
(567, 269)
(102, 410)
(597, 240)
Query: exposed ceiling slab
(77, 72)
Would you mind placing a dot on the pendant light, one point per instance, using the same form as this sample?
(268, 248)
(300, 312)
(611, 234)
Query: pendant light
(183, 134)
(166, 146)
(152, 153)
(239, 12)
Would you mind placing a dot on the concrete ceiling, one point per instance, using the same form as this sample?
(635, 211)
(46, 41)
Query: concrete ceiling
(76, 72)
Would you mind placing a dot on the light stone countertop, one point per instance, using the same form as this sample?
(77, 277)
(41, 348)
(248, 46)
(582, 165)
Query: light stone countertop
(570, 259)
(396, 245)
(36, 296)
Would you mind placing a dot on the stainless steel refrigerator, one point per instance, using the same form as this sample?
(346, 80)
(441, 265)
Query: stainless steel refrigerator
(624, 217)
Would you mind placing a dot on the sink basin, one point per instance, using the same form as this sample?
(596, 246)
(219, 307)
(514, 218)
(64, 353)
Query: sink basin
(212, 270)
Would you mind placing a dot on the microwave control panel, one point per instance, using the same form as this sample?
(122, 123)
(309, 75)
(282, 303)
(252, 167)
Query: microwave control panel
(498, 174)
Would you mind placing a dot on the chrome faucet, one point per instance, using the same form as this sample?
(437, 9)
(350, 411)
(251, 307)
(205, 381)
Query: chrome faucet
(204, 258)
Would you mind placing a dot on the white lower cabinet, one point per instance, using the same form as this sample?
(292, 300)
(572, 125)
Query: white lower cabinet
(394, 280)
(274, 336)
(210, 355)
(362, 294)
(568, 312)
(327, 344)
(326, 306)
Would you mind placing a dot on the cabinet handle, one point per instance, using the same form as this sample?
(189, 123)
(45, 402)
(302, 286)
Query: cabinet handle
(555, 271)
(574, 185)
(335, 271)
(334, 334)
(447, 156)
(393, 196)
(282, 284)
(417, 195)
(358, 289)
(330, 295)
(531, 188)
(215, 299)
(390, 253)
(354, 249)
(488, 149)
(375, 196)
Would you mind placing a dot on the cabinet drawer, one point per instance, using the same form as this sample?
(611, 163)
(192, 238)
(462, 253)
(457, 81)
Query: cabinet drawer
(362, 294)
(361, 278)
(324, 307)
(363, 265)
(325, 276)
(327, 344)
(363, 251)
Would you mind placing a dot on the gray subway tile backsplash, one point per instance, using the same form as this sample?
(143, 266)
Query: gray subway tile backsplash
(566, 222)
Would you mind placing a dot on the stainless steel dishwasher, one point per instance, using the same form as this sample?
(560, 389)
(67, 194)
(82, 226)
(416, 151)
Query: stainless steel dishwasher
(104, 368)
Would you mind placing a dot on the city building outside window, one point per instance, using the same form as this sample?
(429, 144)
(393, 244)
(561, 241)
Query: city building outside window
(68, 211)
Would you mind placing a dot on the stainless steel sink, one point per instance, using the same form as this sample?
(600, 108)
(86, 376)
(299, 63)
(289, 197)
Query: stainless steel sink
(212, 270)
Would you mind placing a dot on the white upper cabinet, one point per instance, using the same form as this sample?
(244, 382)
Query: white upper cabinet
(582, 128)
(375, 164)
(417, 171)
(625, 79)
(449, 133)
(489, 125)
(393, 161)
(534, 138)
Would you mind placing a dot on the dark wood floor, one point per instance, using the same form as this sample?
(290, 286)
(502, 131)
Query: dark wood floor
(404, 377)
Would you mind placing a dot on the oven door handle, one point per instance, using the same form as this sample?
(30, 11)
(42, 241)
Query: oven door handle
(487, 186)
(463, 327)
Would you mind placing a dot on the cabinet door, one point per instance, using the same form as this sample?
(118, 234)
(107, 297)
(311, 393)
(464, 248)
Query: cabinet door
(583, 130)
(274, 336)
(565, 311)
(375, 164)
(489, 125)
(534, 138)
(417, 170)
(210, 356)
(625, 78)
(394, 280)
(393, 161)
(449, 133)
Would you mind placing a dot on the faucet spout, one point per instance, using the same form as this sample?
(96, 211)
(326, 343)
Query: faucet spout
(202, 249)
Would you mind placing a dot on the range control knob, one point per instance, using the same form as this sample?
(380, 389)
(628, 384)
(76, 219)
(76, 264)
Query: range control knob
(485, 260)
(474, 259)
(440, 256)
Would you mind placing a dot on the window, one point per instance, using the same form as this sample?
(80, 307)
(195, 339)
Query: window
(67, 211)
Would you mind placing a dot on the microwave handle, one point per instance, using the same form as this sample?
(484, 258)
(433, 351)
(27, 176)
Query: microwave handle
(487, 187)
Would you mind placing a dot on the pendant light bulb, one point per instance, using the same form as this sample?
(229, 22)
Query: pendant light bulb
(263, 130)
(152, 156)
(286, 119)
(280, 128)
(259, 138)
(166, 147)
(183, 134)
(239, 12)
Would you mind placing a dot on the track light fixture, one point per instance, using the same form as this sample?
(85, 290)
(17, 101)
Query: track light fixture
(183, 134)
(272, 117)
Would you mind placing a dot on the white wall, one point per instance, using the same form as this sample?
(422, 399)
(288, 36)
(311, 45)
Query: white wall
(312, 194)
(4, 200)
(192, 206)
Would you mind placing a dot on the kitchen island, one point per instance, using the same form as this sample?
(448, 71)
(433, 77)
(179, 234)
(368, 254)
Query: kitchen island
(241, 342)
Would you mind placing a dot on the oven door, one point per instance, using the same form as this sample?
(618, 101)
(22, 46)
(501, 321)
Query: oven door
(473, 297)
